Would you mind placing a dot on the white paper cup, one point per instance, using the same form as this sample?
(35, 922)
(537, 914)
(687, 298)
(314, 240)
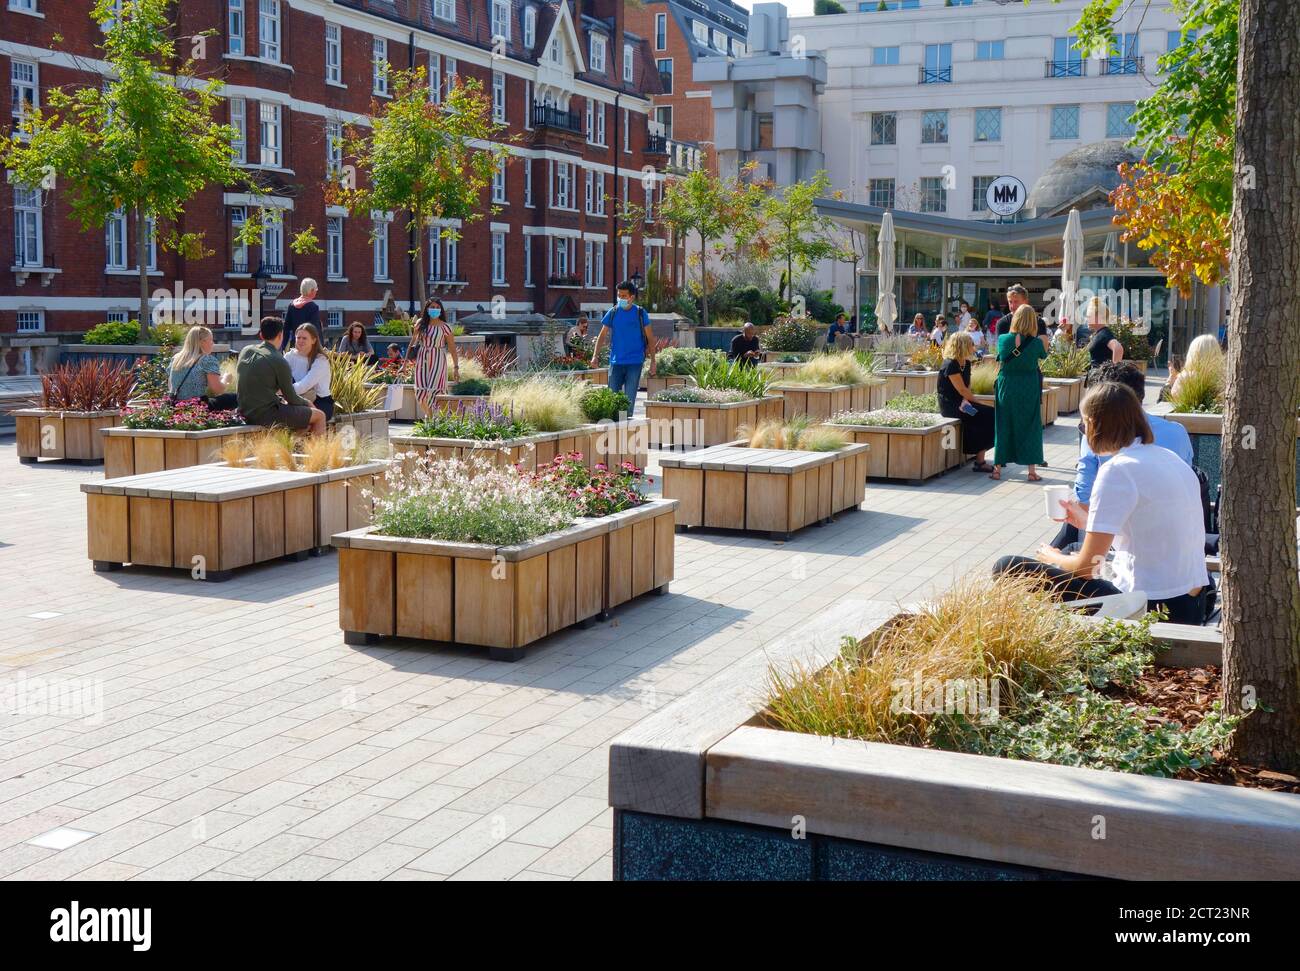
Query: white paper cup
(1053, 496)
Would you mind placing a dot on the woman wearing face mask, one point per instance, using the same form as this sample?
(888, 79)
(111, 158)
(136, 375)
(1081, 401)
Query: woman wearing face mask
(433, 340)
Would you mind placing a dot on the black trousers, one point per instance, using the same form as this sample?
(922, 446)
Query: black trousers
(1187, 609)
(222, 402)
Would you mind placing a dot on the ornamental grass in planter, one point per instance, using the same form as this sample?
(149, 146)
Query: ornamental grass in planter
(1064, 368)
(906, 443)
(467, 552)
(829, 383)
(549, 404)
(77, 401)
(797, 434)
(675, 365)
(725, 395)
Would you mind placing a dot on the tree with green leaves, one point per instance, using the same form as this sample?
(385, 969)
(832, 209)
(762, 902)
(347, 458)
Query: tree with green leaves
(823, 8)
(425, 158)
(714, 209)
(797, 234)
(143, 143)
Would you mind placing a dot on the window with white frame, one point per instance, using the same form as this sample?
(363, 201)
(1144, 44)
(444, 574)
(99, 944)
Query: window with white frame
(115, 241)
(435, 78)
(238, 248)
(273, 240)
(934, 194)
(379, 241)
(31, 321)
(499, 181)
(627, 133)
(235, 27)
(23, 6)
(435, 253)
(334, 247)
(563, 186)
(561, 257)
(239, 122)
(28, 232)
(628, 63)
(498, 259)
(700, 31)
(451, 258)
(528, 182)
(151, 243)
(988, 124)
(530, 27)
(445, 10)
(591, 120)
(596, 59)
(600, 123)
(528, 261)
(333, 148)
(934, 127)
(661, 31)
(650, 202)
(452, 70)
(334, 318)
(499, 97)
(553, 51)
(333, 53)
(528, 105)
(117, 316)
(268, 113)
(24, 87)
(593, 253)
(501, 18)
(268, 29)
(627, 250)
(379, 65)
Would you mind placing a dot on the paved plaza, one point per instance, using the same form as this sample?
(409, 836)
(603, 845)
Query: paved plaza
(236, 737)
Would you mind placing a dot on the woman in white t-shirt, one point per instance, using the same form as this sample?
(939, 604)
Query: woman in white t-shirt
(311, 369)
(1146, 504)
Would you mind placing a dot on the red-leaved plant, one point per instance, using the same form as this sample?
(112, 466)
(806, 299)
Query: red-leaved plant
(494, 359)
(93, 385)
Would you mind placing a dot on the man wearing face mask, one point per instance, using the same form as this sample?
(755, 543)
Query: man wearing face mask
(630, 340)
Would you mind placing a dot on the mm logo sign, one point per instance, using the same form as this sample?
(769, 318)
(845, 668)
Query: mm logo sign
(1006, 195)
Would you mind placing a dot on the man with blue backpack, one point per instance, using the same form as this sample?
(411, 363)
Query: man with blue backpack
(630, 341)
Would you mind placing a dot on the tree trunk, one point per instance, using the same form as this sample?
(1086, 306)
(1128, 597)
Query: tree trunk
(1261, 593)
(142, 265)
(421, 289)
(704, 281)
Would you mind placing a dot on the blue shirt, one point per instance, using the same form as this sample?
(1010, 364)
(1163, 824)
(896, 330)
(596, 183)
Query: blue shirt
(627, 341)
(1168, 434)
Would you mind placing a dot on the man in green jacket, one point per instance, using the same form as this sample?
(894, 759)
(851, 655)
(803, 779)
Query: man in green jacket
(264, 377)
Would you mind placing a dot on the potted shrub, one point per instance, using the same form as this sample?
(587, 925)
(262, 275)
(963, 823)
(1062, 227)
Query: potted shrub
(269, 496)
(990, 735)
(1136, 346)
(1064, 370)
(500, 557)
(358, 397)
(778, 477)
(725, 396)
(77, 401)
(675, 365)
(160, 434)
(909, 439)
(829, 383)
(790, 335)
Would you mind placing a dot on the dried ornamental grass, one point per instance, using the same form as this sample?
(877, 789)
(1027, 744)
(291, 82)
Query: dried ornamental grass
(798, 434)
(834, 369)
(1199, 390)
(548, 404)
(983, 378)
(273, 449)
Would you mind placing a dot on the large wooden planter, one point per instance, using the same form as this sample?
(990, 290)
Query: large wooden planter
(764, 489)
(781, 371)
(368, 424)
(690, 424)
(819, 402)
(909, 382)
(399, 399)
(609, 442)
(653, 385)
(136, 451)
(501, 597)
(703, 791)
(44, 433)
(1206, 432)
(1048, 403)
(1069, 392)
(221, 518)
(910, 454)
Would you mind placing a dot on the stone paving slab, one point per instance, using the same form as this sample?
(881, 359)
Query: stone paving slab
(225, 731)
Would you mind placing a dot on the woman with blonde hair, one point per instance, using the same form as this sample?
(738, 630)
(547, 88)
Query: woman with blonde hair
(310, 367)
(957, 401)
(195, 372)
(1103, 345)
(1018, 419)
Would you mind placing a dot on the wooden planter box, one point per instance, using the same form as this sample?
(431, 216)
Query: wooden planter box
(1049, 403)
(136, 451)
(910, 454)
(44, 433)
(781, 371)
(764, 489)
(400, 401)
(1206, 432)
(653, 386)
(909, 382)
(774, 357)
(610, 442)
(507, 597)
(690, 773)
(690, 424)
(228, 517)
(1069, 392)
(819, 402)
(368, 424)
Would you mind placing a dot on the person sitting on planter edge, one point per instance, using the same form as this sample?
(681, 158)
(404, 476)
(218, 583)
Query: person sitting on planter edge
(629, 344)
(841, 326)
(266, 395)
(1168, 434)
(311, 369)
(956, 400)
(196, 373)
(744, 346)
(1146, 503)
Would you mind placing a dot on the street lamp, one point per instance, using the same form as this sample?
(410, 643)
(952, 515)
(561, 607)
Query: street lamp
(637, 279)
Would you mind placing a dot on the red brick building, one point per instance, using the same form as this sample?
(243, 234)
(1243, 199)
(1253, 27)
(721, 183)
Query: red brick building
(570, 81)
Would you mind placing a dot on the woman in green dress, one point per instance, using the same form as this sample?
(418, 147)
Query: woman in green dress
(1018, 419)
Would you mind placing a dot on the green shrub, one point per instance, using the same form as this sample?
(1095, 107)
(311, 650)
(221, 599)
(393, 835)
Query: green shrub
(821, 306)
(790, 334)
(732, 376)
(1136, 346)
(887, 418)
(928, 403)
(113, 332)
(1066, 362)
(397, 327)
(169, 334)
(472, 386)
(604, 404)
(683, 360)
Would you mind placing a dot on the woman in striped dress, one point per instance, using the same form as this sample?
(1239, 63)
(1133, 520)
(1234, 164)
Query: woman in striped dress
(433, 338)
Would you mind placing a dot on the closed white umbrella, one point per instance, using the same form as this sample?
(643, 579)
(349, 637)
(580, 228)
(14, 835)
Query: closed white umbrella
(1071, 265)
(886, 306)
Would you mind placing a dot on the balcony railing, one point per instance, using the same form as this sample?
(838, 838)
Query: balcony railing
(238, 267)
(545, 116)
(936, 75)
(1066, 69)
(568, 280)
(656, 145)
(1123, 65)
